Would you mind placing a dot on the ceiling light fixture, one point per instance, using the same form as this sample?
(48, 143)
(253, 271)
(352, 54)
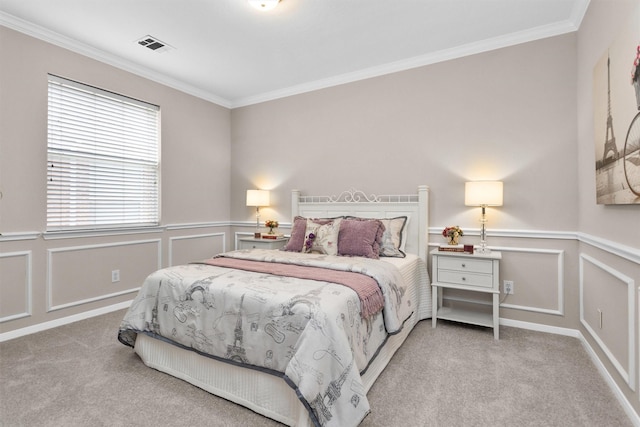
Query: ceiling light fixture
(264, 4)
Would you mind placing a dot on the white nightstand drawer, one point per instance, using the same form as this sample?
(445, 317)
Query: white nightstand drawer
(251, 243)
(466, 264)
(465, 278)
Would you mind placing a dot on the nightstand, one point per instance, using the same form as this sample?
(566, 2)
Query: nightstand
(466, 272)
(252, 243)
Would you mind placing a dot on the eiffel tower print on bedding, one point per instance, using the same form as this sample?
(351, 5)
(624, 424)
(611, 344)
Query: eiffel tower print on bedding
(309, 332)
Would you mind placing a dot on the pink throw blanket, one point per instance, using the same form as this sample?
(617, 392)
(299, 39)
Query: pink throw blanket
(371, 299)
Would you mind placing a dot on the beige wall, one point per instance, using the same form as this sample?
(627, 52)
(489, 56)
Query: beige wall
(608, 260)
(43, 279)
(509, 114)
(602, 23)
(195, 135)
(522, 114)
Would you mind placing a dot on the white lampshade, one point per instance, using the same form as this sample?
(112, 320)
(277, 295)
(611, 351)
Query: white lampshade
(483, 193)
(264, 4)
(257, 198)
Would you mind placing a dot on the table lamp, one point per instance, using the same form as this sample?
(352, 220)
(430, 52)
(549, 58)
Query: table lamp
(483, 194)
(257, 198)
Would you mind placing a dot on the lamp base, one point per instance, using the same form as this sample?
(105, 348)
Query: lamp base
(483, 250)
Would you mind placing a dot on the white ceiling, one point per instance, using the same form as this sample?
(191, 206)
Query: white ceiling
(231, 54)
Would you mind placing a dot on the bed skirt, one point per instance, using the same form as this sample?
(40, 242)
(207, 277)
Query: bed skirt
(261, 392)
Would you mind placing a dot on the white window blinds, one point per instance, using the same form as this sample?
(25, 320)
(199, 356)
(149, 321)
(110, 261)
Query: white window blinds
(103, 159)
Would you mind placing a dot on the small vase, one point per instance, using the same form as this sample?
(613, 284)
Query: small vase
(271, 230)
(453, 239)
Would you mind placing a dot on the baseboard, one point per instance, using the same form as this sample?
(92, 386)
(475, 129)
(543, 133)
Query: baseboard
(541, 328)
(620, 396)
(626, 405)
(63, 321)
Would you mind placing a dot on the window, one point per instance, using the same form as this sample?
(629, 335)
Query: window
(103, 159)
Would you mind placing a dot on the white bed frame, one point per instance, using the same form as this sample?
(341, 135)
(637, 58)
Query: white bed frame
(357, 203)
(267, 394)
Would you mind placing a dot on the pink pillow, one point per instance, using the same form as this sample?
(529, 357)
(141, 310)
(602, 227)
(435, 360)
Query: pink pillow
(297, 235)
(360, 238)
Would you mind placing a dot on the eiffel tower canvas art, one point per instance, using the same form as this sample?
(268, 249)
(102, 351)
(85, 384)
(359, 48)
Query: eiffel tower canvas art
(617, 118)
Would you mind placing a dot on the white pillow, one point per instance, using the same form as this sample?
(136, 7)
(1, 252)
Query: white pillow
(325, 239)
(394, 237)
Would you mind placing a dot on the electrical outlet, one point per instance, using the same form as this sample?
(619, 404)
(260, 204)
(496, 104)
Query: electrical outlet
(115, 276)
(508, 287)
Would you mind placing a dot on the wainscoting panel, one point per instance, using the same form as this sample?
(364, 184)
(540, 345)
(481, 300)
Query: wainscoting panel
(15, 285)
(196, 247)
(538, 276)
(82, 274)
(608, 312)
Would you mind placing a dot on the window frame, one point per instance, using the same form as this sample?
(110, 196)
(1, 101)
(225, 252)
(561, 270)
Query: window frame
(108, 174)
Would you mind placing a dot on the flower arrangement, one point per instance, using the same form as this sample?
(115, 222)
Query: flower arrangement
(452, 233)
(271, 224)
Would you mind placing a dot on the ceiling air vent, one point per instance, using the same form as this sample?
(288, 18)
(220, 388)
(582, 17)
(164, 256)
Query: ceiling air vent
(154, 44)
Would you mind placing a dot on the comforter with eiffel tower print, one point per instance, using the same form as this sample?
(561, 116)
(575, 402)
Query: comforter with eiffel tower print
(309, 332)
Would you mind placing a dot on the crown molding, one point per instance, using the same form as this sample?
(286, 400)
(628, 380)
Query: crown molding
(559, 28)
(76, 46)
(473, 48)
(578, 12)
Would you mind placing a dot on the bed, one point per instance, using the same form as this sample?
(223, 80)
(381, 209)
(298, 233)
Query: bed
(298, 336)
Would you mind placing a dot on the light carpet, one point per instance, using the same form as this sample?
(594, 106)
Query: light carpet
(454, 375)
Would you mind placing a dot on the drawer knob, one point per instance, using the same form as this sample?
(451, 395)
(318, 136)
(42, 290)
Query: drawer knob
(464, 278)
(464, 265)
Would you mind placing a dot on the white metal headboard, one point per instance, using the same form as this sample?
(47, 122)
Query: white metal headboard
(357, 203)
